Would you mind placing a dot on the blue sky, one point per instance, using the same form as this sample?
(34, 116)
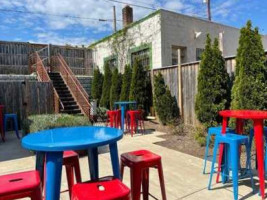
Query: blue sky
(65, 30)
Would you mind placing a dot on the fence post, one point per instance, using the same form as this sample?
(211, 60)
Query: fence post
(180, 88)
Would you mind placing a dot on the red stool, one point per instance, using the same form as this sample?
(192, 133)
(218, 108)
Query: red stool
(2, 122)
(139, 163)
(71, 163)
(136, 119)
(112, 117)
(105, 189)
(21, 185)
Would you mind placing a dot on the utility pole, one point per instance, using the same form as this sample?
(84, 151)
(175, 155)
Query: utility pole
(114, 19)
(208, 8)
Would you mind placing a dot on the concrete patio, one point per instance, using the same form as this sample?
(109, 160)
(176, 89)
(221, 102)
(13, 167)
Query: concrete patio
(183, 173)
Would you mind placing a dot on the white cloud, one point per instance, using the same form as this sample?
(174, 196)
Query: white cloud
(54, 38)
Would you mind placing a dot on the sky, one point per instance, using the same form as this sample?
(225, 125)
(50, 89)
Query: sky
(76, 22)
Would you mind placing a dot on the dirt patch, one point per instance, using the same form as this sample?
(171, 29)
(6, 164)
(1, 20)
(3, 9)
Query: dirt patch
(183, 142)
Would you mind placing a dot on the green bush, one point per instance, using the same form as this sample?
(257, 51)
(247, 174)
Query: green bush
(97, 85)
(105, 98)
(213, 85)
(36, 123)
(250, 86)
(126, 83)
(115, 89)
(138, 87)
(165, 105)
(200, 132)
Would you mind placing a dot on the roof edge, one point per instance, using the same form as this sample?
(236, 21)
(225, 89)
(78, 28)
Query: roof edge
(125, 28)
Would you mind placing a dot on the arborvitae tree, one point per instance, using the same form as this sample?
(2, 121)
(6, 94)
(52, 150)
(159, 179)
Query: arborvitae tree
(250, 86)
(138, 86)
(97, 85)
(115, 89)
(165, 105)
(105, 98)
(126, 83)
(213, 85)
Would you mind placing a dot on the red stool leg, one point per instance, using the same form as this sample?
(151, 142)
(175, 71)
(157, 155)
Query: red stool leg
(37, 194)
(122, 170)
(161, 180)
(145, 183)
(136, 183)
(77, 170)
(70, 177)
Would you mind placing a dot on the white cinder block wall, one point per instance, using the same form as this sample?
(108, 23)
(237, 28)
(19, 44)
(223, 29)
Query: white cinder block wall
(145, 32)
(162, 30)
(179, 30)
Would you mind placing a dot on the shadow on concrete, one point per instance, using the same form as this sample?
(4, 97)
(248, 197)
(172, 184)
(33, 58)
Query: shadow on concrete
(11, 149)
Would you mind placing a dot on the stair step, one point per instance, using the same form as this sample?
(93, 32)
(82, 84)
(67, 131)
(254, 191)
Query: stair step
(67, 99)
(74, 111)
(64, 95)
(71, 107)
(66, 91)
(69, 103)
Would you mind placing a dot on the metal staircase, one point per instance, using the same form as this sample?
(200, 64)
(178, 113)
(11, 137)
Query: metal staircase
(70, 105)
(69, 95)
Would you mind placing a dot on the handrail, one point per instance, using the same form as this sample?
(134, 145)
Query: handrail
(43, 76)
(73, 75)
(74, 86)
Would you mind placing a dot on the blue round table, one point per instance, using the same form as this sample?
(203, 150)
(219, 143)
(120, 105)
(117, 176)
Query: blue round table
(123, 105)
(51, 144)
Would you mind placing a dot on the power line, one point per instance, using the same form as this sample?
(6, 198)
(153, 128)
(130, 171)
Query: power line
(55, 15)
(131, 4)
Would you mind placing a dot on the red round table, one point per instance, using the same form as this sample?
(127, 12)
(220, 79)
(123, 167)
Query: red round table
(258, 117)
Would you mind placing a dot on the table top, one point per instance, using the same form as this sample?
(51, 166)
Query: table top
(124, 102)
(244, 114)
(71, 138)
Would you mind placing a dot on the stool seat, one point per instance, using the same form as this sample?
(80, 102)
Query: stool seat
(229, 137)
(68, 154)
(140, 157)
(218, 129)
(10, 115)
(112, 189)
(19, 185)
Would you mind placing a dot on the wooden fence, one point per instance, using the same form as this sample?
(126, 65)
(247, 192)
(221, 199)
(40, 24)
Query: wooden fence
(189, 73)
(14, 57)
(26, 98)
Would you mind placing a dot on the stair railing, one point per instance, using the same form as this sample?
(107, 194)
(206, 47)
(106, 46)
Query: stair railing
(43, 76)
(75, 87)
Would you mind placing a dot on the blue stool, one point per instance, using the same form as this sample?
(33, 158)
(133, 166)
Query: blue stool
(15, 120)
(251, 136)
(212, 131)
(234, 141)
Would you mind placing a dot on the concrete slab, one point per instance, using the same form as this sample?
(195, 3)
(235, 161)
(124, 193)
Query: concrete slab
(183, 173)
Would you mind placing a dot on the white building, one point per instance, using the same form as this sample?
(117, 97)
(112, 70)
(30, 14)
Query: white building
(156, 38)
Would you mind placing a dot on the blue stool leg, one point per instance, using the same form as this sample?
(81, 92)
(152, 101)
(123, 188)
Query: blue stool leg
(16, 126)
(53, 175)
(5, 124)
(213, 163)
(249, 166)
(206, 152)
(39, 164)
(93, 163)
(115, 160)
(235, 163)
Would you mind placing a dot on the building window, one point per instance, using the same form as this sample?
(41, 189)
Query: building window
(112, 62)
(199, 52)
(142, 56)
(141, 53)
(175, 54)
